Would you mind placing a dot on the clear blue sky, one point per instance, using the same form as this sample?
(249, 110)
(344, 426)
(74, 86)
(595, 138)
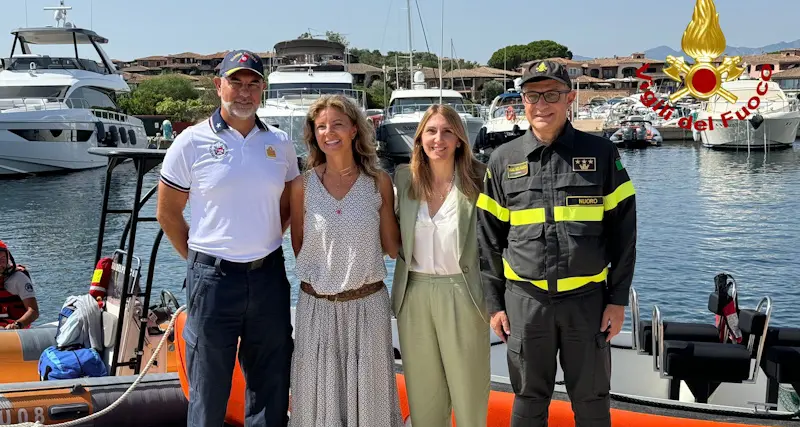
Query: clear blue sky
(138, 28)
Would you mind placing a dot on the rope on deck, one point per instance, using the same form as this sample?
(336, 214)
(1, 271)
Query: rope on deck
(130, 389)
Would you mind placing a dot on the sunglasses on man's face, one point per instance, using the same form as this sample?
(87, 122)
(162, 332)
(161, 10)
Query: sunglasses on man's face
(551, 96)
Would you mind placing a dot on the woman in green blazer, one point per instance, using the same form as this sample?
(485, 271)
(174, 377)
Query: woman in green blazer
(437, 295)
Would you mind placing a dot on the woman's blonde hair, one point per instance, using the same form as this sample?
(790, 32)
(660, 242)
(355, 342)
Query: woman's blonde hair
(363, 143)
(468, 167)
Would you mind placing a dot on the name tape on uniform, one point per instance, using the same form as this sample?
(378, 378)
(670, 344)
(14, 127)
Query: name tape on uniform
(517, 170)
(584, 200)
(584, 164)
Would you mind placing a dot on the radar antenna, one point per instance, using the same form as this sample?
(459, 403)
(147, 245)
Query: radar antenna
(60, 14)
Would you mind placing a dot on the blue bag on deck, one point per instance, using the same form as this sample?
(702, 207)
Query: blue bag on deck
(55, 364)
(75, 358)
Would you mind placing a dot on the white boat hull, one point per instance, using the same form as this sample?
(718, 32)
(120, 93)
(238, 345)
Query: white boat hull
(777, 130)
(56, 143)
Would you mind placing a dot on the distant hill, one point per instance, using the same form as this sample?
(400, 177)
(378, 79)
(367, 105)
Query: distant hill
(661, 52)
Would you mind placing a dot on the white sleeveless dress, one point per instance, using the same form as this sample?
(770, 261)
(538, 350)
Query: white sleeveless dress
(343, 361)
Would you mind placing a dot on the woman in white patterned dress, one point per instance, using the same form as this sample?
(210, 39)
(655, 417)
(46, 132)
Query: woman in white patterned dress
(342, 223)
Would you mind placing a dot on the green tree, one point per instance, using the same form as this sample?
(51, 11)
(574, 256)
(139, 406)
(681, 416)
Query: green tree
(513, 56)
(491, 89)
(171, 94)
(149, 93)
(374, 95)
(190, 110)
(336, 37)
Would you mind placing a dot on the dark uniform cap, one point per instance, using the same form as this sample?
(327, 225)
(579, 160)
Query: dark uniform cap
(238, 60)
(544, 69)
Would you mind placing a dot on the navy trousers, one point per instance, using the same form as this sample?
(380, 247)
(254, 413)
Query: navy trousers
(226, 302)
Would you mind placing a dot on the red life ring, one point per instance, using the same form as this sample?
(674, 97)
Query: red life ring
(511, 114)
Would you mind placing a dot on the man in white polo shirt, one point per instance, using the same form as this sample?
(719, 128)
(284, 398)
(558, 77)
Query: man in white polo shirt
(232, 169)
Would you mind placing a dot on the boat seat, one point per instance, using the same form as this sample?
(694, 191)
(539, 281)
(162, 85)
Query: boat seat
(781, 361)
(680, 331)
(703, 366)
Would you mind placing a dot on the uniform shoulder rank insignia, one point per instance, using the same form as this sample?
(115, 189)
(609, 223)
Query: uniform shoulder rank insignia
(517, 170)
(584, 164)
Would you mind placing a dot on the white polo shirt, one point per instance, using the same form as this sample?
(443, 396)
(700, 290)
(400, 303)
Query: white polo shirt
(234, 184)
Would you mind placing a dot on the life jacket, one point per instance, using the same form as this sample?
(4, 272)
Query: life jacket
(102, 274)
(11, 306)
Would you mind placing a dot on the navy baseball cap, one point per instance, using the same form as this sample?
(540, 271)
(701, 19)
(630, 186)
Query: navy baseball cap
(544, 69)
(238, 60)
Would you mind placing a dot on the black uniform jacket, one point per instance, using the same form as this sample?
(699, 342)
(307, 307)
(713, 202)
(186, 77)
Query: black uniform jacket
(557, 220)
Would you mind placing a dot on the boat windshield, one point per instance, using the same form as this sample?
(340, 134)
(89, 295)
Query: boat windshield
(305, 94)
(53, 93)
(421, 104)
(36, 62)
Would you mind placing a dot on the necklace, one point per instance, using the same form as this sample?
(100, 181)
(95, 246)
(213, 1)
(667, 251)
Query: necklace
(449, 187)
(342, 173)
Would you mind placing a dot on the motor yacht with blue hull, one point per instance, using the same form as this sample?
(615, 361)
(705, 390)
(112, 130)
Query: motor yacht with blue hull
(53, 109)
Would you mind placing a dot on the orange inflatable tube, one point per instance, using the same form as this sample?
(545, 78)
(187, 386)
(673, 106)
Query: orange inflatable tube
(500, 403)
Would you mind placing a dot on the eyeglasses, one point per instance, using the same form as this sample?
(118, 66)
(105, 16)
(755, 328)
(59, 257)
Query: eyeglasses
(551, 96)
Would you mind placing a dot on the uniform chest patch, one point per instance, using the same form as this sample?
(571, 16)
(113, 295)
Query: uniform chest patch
(584, 200)
(584, 164)
(517, 170)
(218, 149)
(270, 152)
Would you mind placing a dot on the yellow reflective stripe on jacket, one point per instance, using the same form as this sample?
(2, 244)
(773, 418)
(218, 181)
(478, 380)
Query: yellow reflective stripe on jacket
(560, 213)
(490, 205)
(562, 285)
(578, 213)
(621, 193)
(527, 216)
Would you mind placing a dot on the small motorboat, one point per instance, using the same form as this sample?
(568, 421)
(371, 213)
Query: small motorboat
(665, 373)
(136, 341)
(506, 121)
(636, 132)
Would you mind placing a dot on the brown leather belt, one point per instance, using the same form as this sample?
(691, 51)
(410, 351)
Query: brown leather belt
(348, 295)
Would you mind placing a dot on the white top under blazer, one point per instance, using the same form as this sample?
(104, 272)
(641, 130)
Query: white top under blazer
(436, 249)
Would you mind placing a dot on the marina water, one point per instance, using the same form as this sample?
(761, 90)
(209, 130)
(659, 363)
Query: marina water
(700, 212)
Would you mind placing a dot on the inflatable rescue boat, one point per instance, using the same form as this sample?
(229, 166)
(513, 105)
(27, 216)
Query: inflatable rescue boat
(131, 331)
(712, 373)
(691, 380)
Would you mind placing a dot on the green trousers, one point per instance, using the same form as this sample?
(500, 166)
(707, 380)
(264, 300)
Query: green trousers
(444, 345)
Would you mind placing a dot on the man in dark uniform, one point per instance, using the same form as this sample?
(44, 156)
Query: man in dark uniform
(557, 230)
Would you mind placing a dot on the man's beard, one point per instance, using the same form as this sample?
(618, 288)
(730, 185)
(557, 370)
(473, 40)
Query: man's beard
(239, 111)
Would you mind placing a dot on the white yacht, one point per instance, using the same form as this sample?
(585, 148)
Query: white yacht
(310, 68)
(773, 124)
(53, 109)
(406, 107)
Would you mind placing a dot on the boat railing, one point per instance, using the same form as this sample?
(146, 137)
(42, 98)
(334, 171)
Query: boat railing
(304, 97)
(24, 105)
(394, 110)
(42, 104)
(764, 106)
(501, 110)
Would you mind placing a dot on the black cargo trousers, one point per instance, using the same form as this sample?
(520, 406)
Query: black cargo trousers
(542, 326)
